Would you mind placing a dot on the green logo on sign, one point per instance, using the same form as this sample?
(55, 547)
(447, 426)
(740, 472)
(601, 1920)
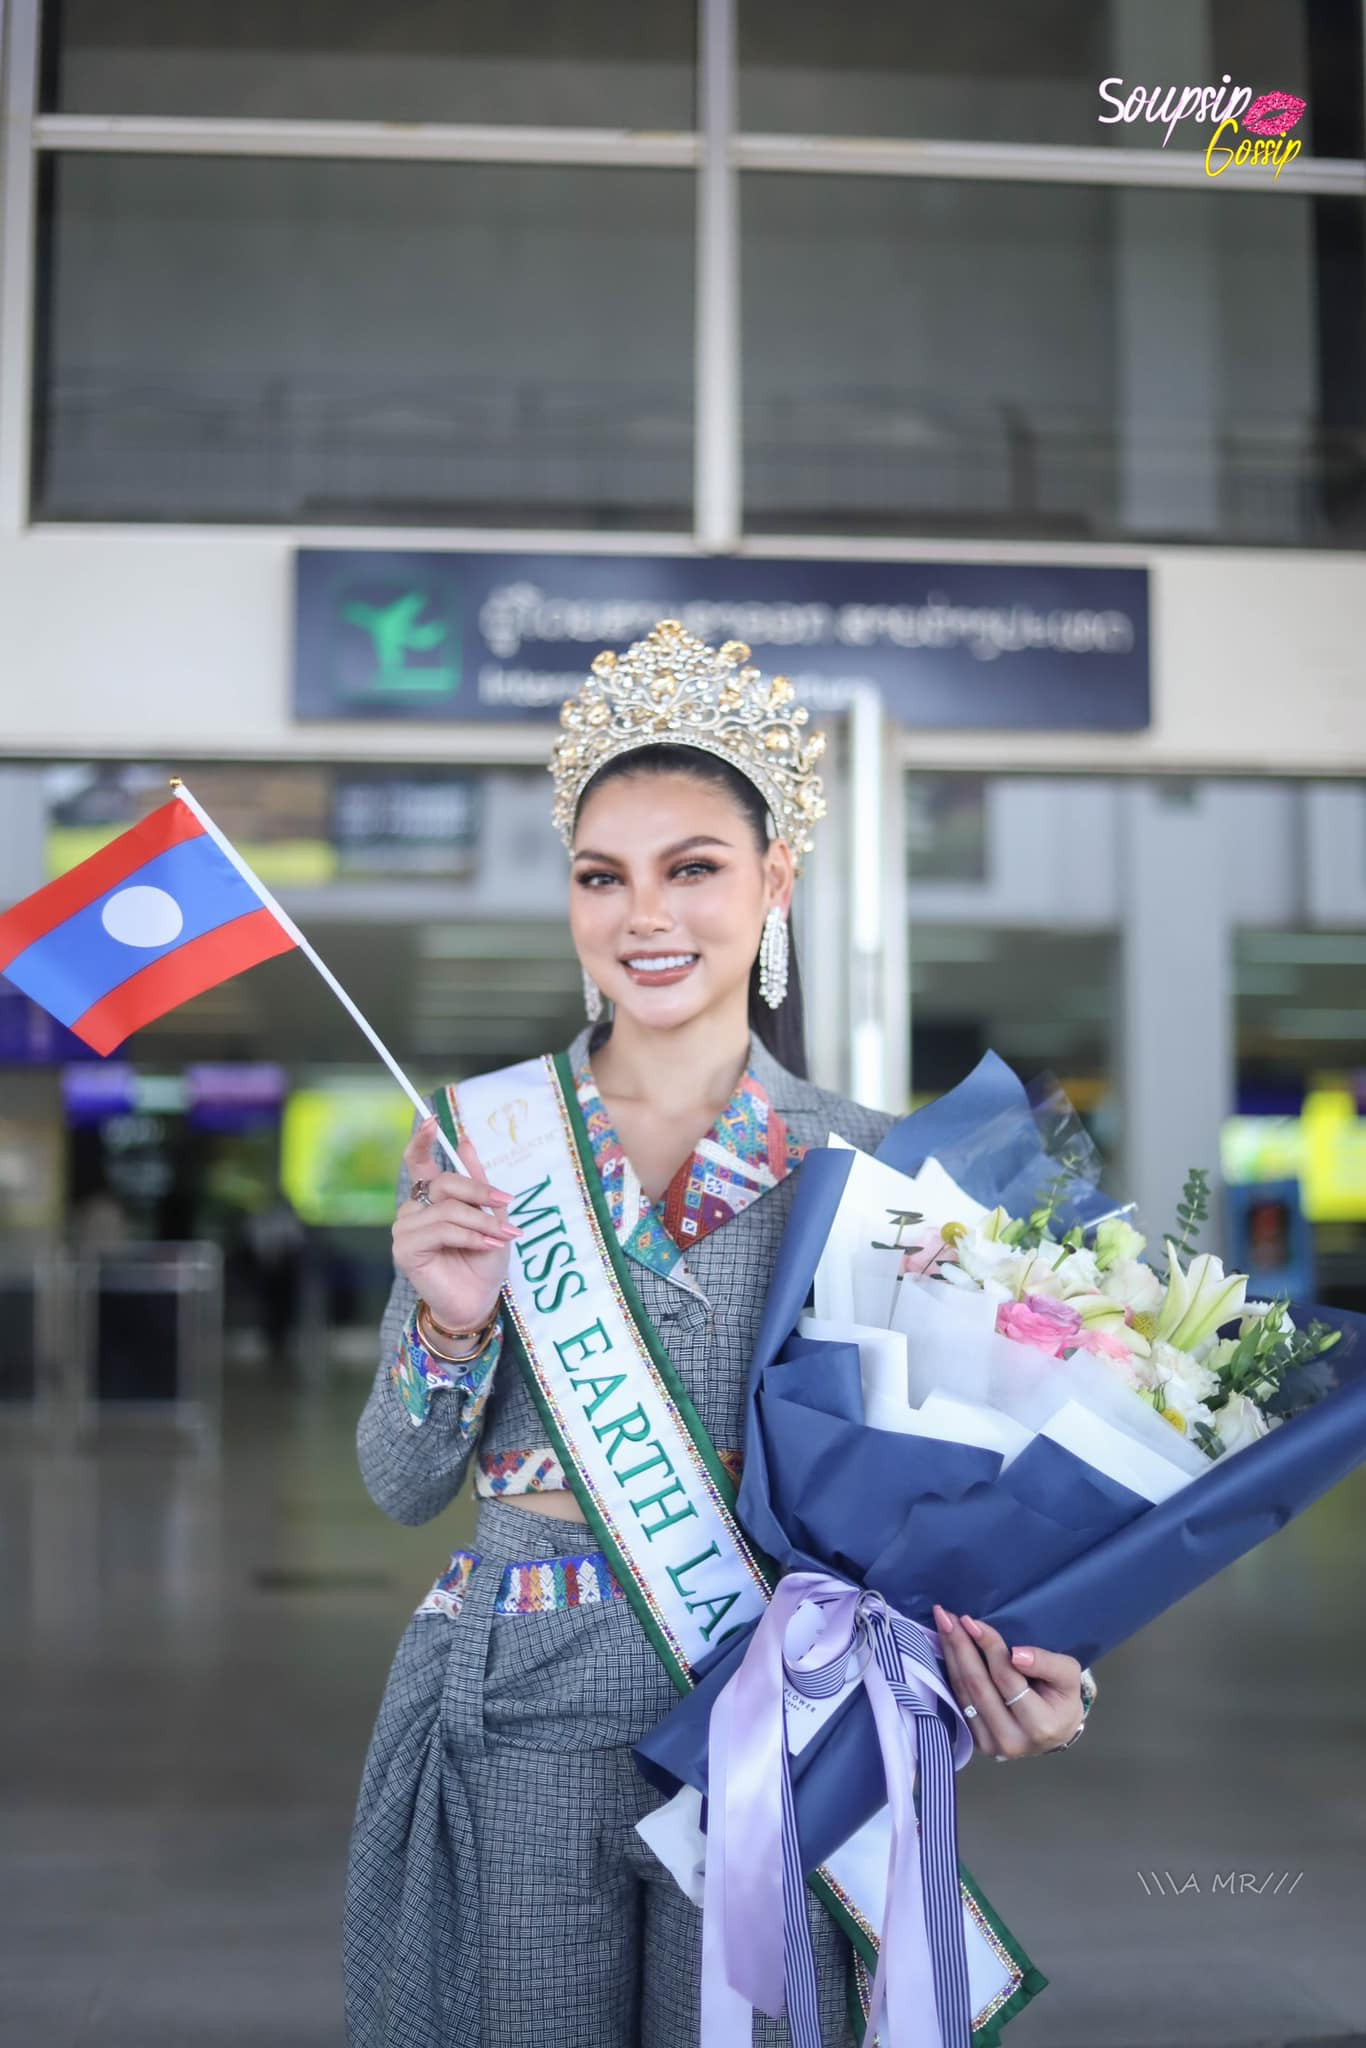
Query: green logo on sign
(396, 636)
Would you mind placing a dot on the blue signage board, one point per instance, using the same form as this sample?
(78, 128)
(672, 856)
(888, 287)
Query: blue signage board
(91, 1095)
(236, 1097)
(456, 636)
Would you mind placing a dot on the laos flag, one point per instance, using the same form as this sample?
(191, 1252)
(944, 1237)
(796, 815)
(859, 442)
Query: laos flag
(159, 915)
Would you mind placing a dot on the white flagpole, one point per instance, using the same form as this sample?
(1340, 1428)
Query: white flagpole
(254, 882)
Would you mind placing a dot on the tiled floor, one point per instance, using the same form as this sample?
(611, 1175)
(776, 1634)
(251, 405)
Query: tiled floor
(192, 1654)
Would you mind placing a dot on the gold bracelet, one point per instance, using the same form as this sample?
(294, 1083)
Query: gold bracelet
(479, 1337)
(448, 1329)
(434, 1350)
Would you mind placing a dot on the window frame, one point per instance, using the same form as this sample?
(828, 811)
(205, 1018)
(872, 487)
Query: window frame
(716, 151)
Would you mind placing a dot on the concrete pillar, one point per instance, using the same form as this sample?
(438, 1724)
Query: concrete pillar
(1176, 1029)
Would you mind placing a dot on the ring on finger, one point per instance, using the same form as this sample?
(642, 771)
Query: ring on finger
(969, 1712)
(420, 1193)
(1016, 1696)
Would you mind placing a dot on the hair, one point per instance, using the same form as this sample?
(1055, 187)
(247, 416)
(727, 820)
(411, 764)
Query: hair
(782, 1030)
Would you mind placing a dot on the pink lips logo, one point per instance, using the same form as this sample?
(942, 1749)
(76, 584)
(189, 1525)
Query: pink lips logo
(1275, 113)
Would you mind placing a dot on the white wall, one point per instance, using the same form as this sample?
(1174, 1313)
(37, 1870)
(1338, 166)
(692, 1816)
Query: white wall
(145, 643)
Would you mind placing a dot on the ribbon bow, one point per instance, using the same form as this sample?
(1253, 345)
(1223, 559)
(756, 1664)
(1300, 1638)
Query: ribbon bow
(756, 1937)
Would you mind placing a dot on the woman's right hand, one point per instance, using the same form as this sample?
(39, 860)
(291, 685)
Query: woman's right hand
(454, 1254)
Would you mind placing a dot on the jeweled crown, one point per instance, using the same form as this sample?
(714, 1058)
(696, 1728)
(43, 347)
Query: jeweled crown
(672, 689)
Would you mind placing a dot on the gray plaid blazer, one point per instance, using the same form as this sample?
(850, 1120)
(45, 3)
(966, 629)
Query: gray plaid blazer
(706, 1313)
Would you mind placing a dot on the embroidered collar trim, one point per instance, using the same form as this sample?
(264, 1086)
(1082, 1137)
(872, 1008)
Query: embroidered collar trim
(748, 1150)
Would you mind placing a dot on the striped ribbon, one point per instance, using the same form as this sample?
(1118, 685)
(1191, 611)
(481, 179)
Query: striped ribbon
(757, 1947)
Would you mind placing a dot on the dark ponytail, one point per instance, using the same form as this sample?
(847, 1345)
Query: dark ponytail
(782, 1030)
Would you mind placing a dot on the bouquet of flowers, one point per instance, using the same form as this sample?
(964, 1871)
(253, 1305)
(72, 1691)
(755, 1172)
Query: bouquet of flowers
(945, 1356)
(995, 1403)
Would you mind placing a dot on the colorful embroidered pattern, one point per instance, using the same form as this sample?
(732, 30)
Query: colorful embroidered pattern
(748, 1150)
(415, 1373)
(504, 1472)
(585, 1581)
(448, 1594)
(537, 1587)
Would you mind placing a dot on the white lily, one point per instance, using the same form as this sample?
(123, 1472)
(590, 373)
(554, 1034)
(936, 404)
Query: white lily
(1097, 1311)
(1103, 1312)
(1198, 1301)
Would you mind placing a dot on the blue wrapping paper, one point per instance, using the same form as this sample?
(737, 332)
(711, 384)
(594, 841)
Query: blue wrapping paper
(1048, 1551)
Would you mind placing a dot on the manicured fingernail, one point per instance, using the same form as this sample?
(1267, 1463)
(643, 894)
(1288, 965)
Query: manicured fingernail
(498, 1244)
(944, 1618)
(1025, 1657)
(510, 1230)
(497, 1195)
(974, 1628)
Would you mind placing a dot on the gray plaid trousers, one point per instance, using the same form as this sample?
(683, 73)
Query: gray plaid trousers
(497, 1893)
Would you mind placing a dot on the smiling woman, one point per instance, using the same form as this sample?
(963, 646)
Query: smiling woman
(678, 879)
(576, 1314)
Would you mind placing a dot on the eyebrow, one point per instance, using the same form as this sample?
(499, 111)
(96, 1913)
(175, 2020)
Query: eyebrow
(666, 853)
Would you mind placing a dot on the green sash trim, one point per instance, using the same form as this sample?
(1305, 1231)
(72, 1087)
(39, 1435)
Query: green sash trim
(1032, 1979)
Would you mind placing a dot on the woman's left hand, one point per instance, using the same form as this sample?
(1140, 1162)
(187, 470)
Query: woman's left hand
(1043, 1686)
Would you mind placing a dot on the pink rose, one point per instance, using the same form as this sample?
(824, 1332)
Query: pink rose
(1048, 1325)
(924, 1260)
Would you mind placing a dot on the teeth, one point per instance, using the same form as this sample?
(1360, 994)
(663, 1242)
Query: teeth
(661, 963)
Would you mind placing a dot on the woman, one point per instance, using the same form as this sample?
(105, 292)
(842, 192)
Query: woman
(498, 1889)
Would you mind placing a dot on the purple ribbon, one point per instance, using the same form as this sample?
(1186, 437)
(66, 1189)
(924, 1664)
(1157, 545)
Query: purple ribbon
(756, 1936)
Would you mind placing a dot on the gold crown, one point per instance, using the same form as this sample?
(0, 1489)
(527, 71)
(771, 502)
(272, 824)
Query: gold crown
(672, 689)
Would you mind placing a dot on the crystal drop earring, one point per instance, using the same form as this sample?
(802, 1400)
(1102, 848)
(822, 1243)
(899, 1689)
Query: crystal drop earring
(592, 998)
(773, 955)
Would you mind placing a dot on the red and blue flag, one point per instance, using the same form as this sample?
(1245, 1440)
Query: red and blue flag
(154, 918)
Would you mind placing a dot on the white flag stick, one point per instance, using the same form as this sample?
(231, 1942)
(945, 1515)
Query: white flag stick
(254, 882)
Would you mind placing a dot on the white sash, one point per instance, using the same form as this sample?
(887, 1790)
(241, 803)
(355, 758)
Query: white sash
(641, 1464)
(651, 1486)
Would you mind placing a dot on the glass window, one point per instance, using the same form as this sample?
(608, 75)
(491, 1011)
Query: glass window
(1043, 999)
(946, 828)
(292, 340)
(1301, 1010)
(1065, 360)
(1025, 70)
(560, 63)
(1295, 1154)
